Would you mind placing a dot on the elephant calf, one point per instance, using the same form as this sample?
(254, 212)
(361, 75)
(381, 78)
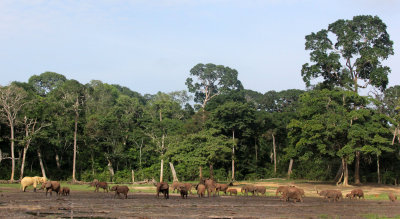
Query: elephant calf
(392, 197)
(120, 190)
(183, 191)
(65, 191)
(232, 191)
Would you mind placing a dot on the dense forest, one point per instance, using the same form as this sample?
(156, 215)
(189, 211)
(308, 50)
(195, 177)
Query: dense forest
(65, 130)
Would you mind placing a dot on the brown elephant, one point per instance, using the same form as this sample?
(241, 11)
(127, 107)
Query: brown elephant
(222, 187)
(232, 191)
(183, 191)
(392, 197)
(175, 186)
(292, 193)
(248, 188)
(355, 193)
(52, 186)
(281, 189)
(331, 194)
(65, 191)
(201, 190)
(211, 186)
(120, 190)
(260, 189)
(162, 187)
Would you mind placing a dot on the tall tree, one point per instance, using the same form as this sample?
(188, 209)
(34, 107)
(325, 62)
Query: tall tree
(12, 99)
(209, 80)
(349, 54)
(46, 82)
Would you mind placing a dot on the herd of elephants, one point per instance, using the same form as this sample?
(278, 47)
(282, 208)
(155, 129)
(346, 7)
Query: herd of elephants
(287, 193)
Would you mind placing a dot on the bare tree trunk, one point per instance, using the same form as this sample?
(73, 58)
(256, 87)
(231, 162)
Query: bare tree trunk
(290, 168)
(201, 173)
(133, 176)
(110, 169)
(75, 136)
(345, 173)
(41, 164)
(23, 163)
(357, 169)
(173, 172)
(12, 152)
(256, 148)
(58, 161)
(211, 172)
(274, 148)
(162, 170)
(233, 156)
(378, 171)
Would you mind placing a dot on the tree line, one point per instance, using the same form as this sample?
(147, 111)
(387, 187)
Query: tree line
(62, 129)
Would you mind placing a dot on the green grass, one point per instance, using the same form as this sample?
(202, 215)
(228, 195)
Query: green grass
(375, 216)
(382, 196)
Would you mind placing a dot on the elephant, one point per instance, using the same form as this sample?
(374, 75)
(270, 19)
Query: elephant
(210, 186)
(120, 189)
(27, 181)
(65, 191)
(281, 189)
(331, 194)
(183, 191)
(232, 191)
(162, 187)
(52, 186)
(392, 197)
(260, 189)
(292, 193)
(102, 185)
(201, 190)
(176, 185)
(356, 193)
(222, 187)
(248, 188)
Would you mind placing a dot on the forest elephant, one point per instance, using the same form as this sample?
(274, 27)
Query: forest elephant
(355, 193)
(183, 191)
(260, 189)
(222, 187)
(65, 191)
(162, 187)
(392, 197)
(292, 193)
(120, 190)
(232, 191)
(201, 190)
(210, 186)
(35, 180)
(175, 186)
(52, 186)
(103, 185)
(331, 194)
(248, 188)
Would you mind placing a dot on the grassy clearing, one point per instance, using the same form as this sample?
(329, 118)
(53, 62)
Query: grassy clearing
(375, 216)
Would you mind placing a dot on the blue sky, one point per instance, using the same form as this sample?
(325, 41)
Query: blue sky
(151, 45)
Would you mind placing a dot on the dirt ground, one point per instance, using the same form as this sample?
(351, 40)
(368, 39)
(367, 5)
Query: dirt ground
(87, 204)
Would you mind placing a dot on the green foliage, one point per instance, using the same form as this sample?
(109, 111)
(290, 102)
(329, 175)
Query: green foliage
(349, 51)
